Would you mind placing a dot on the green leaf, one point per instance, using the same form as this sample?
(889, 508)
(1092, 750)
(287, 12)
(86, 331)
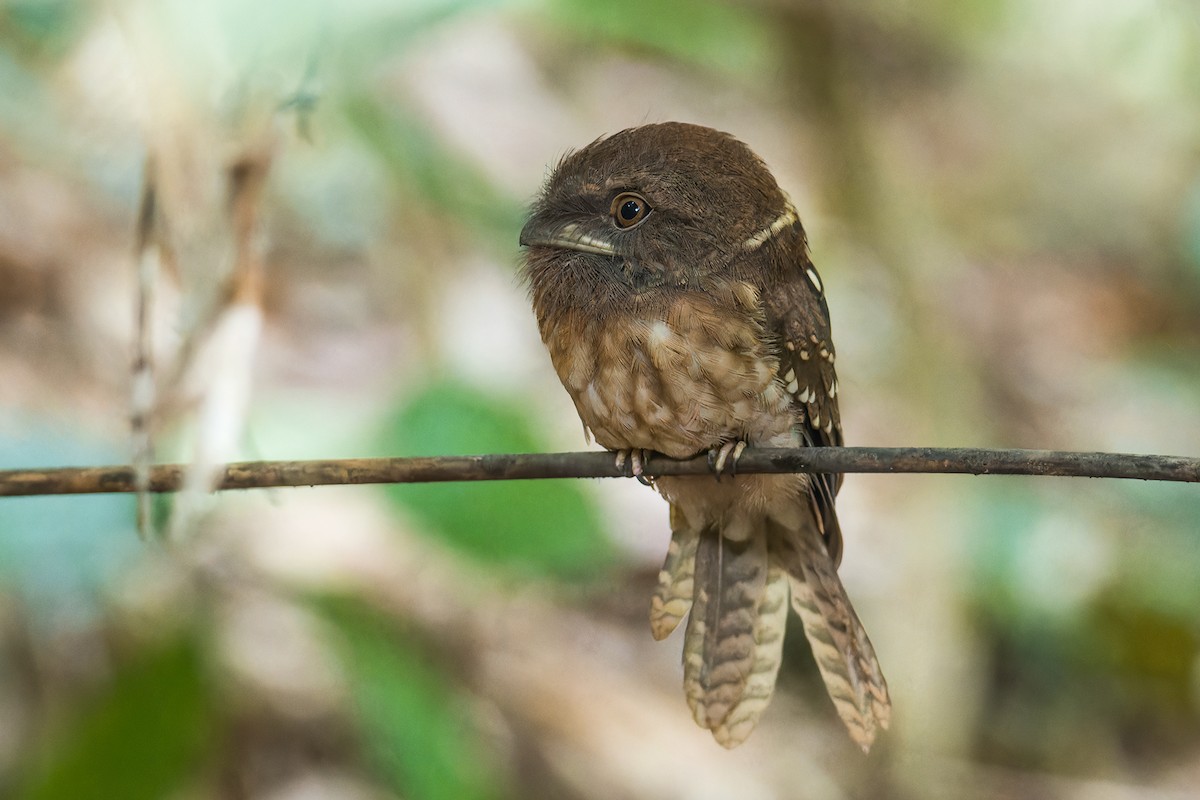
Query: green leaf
(415, 723)
(42, 27)
(142, 739)
(547, 527)
(430, 173)
(712, 35)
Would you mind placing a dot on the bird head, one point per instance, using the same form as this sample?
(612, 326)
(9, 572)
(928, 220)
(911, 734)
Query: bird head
(653, 206)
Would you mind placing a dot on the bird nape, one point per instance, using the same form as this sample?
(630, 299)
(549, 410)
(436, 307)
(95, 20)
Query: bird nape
(673, 288)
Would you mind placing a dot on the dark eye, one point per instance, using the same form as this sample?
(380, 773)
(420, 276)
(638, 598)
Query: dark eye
(628, 209)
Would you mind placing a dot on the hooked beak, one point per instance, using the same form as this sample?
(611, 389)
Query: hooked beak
(568, 236)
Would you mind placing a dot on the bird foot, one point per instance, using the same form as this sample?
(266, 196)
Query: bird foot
(636, 458)
(726, 455)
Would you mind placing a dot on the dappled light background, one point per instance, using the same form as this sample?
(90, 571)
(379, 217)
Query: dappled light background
(1003, 199)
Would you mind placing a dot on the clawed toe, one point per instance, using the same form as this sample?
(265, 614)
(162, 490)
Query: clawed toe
(636, 458)
(726, 455)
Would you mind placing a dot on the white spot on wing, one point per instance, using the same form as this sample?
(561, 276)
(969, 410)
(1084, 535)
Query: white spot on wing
(814, 279)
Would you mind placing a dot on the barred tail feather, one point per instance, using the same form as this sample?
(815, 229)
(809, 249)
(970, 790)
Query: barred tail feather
(719, 648)
(840, 645)
(673, 596)
(768, 654)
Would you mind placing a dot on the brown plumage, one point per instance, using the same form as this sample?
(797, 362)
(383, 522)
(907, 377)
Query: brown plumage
(674, 291)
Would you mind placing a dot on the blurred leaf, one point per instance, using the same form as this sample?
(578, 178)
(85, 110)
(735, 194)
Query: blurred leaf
(1005, 516)
(1160, 569)
(1085, 604)
(713, 35)
(1191, 229)
(339, 41)
(27, 116)
(41, 27)
(431, 174)
(957, 19)
(1043, 555)
(1146, 645)
(143, 739)
(543, 526)
(391, 27)
(416, 725)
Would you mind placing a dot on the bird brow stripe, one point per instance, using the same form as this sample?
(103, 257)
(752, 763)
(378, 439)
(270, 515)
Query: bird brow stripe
(779, 223)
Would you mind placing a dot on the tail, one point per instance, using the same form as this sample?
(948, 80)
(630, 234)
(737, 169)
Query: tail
(737, 593)
(673, 597)
(839, 642)
(734, 640)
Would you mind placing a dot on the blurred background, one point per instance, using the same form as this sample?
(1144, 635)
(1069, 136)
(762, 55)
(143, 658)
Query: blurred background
(1003, 199)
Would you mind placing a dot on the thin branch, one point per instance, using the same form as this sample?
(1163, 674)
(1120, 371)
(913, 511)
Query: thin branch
(263, 474)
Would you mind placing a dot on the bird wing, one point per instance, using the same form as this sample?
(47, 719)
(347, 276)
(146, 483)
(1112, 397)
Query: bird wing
(798, 324)
(797, 319)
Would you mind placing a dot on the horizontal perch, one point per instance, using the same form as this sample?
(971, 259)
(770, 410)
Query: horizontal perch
(263, 474)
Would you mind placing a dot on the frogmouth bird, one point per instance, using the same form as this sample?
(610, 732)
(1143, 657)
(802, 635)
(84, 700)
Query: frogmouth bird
(673, 288)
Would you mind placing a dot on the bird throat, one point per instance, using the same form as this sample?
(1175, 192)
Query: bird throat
(642, 278)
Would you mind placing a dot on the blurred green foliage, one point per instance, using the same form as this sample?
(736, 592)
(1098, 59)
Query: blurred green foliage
(413, 717)
(144, 738)
(1087, 622)
(529, 527)
(431, 175)
(41, 28)
(712, 36)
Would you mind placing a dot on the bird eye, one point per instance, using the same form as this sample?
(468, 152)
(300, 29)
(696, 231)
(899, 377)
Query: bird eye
(628, 209)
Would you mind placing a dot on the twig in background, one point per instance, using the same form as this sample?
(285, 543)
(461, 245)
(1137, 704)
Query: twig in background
(218, 365)
(149, 255)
